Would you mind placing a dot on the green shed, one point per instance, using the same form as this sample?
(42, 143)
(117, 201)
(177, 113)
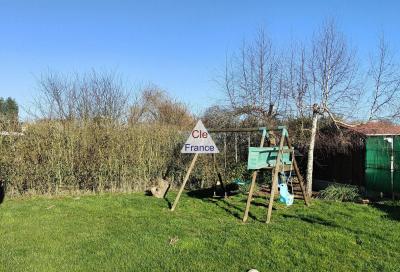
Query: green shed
(382, 156)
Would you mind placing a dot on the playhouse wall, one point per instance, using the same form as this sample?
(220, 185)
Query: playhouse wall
(378, 177)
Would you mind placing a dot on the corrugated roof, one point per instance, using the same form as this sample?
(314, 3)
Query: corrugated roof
(376, 128)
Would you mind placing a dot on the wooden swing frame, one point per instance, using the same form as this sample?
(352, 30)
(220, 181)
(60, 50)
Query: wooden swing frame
(275, 169)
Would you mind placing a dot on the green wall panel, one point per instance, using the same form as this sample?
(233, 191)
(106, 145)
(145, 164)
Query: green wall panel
(378, 152)
(377, 163)
(379, 180)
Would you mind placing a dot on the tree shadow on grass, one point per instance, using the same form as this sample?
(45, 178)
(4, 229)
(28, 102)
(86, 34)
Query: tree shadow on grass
(358, 231)
(392, 209)
(221, 202)
(258, 203)
(312, 219)
(232, 209)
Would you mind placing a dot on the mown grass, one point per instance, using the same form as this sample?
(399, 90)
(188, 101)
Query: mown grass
(133, 232)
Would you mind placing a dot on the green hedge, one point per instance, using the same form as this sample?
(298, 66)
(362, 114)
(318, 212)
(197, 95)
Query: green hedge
(55, 156)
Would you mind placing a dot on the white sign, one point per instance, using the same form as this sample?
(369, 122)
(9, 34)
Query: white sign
(199, 141)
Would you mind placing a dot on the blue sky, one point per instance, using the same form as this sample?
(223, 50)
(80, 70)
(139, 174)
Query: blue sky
(178, 45)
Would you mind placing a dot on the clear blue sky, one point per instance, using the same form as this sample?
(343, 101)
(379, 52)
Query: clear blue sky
(178, 45)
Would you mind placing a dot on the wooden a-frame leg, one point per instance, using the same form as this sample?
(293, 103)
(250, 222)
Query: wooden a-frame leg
(253, 184)
(250, 196)
(301, 182)
(274, 184)
(184, 181)
(299, 176)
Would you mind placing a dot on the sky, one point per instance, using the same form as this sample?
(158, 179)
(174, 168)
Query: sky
(180, 46)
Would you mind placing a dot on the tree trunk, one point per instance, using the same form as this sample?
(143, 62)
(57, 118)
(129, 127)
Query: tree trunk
(310, 161)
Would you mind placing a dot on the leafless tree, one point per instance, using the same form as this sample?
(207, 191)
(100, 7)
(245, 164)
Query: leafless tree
(298, 92)
(86, 96)
(384, 72)
(56, 97)
(295, 80)
(335, 89)
(251, 81)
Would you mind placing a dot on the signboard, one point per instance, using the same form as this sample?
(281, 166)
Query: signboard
(199, 141)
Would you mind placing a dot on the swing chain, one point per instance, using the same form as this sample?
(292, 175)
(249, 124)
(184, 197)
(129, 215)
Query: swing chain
(289, 177)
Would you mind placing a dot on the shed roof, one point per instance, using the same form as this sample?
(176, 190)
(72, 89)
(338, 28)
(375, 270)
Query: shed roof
(375, 128)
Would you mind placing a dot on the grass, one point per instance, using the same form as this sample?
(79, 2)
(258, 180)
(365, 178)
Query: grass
(133, 232)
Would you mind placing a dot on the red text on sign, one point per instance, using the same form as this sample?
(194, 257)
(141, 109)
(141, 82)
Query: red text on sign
(199, 134)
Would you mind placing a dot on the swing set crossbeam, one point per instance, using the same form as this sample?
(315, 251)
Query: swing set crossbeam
(252, 129)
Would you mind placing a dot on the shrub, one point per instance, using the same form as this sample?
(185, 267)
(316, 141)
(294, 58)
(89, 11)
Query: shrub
(57, 156)
(340, 193)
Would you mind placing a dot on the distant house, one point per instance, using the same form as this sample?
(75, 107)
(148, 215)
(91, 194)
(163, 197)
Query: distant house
(371, 161)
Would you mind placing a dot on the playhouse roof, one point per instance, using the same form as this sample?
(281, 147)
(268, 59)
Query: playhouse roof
(375, 128)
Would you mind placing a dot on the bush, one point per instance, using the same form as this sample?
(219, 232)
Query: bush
(55, 156)
(340, 193)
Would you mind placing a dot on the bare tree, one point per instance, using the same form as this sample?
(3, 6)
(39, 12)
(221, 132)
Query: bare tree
(300, 91)
(250, 80)
(87, 96)
(56, 96)
(384, 72)
(296, 81)
(334, 79)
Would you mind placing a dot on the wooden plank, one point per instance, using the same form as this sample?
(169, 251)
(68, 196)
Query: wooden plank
(184, 181)
(253, 129)
(253, 184)
(285, 168)
(275, 179)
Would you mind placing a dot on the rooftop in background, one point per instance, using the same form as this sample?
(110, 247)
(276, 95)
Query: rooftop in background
(376, 128)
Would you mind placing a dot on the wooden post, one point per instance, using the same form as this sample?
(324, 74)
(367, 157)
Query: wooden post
(253, 184)
(298, 174)
(184, 181)
(274, 184)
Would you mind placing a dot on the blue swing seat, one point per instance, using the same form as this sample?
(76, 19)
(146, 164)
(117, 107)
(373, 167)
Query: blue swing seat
(284, 195)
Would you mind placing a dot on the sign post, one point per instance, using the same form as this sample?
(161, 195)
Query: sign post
(199, 142)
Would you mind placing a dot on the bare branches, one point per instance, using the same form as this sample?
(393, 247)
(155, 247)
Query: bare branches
(99, 96)
(249, 80)
(385, 74)
(296, 80)
(88, 96)
(334, 70)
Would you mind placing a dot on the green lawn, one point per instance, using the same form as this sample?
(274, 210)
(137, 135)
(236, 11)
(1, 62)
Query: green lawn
(138, 233)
